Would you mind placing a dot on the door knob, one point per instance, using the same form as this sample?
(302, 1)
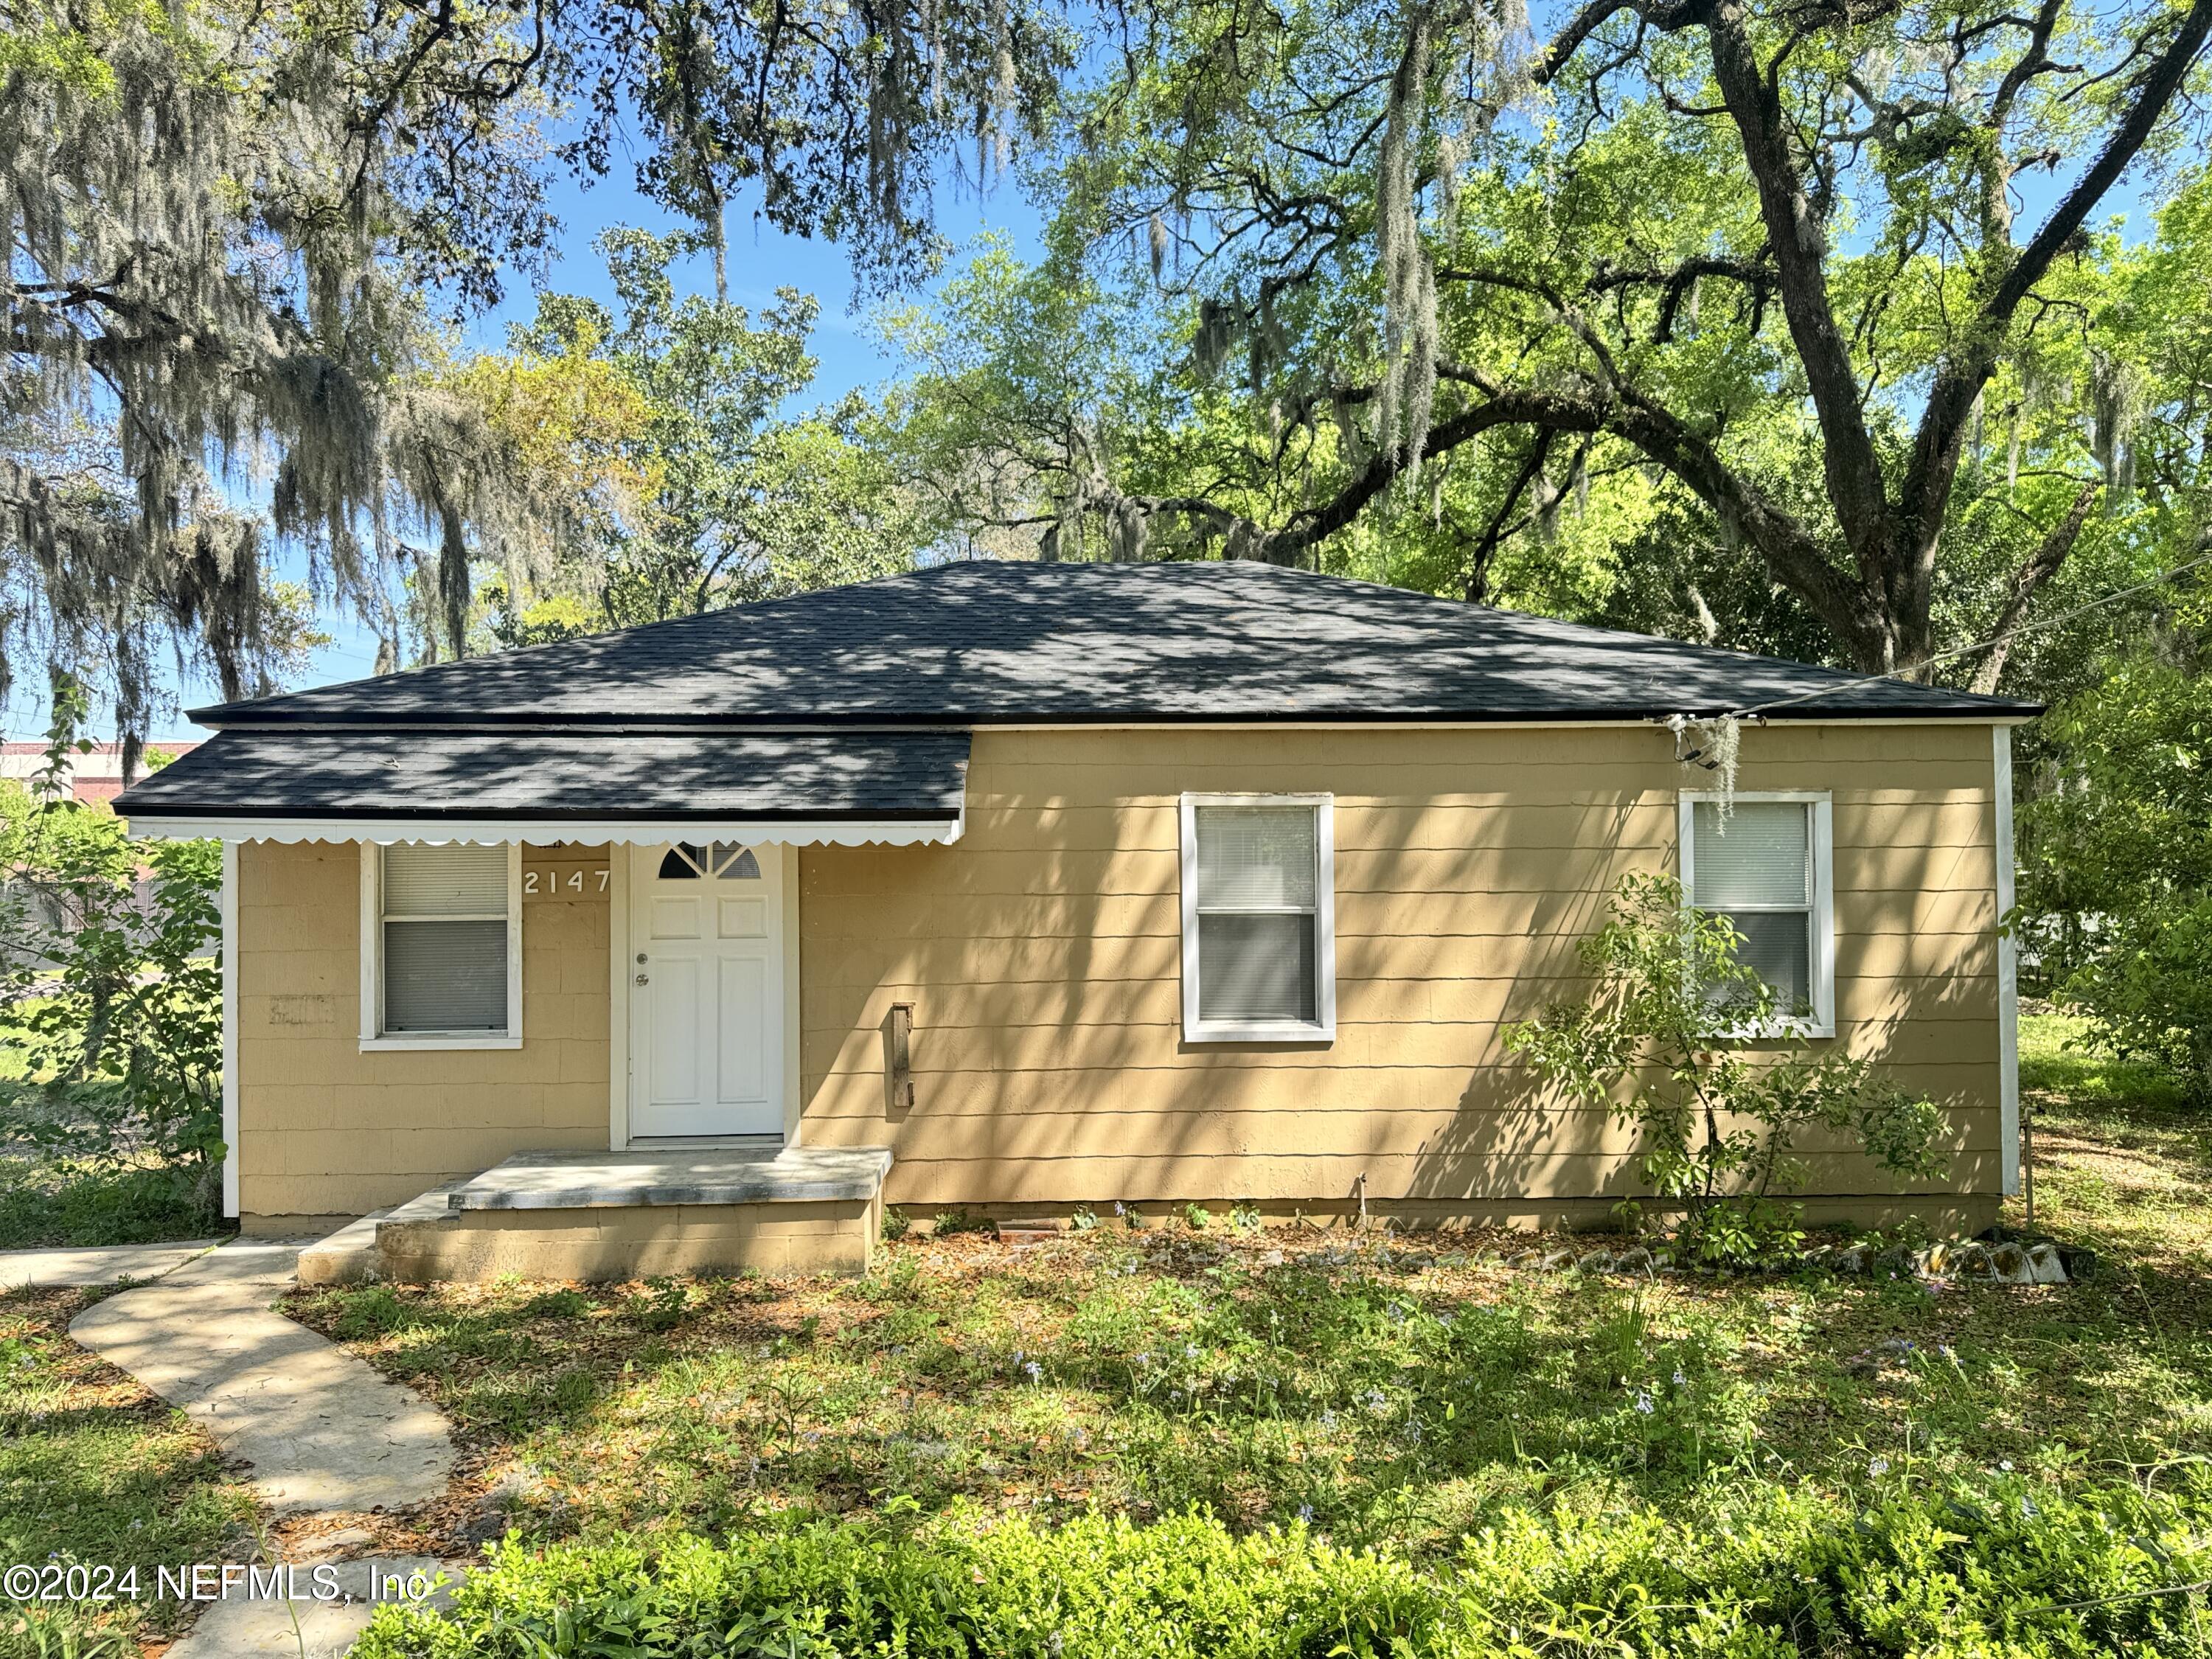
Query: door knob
(642, 980)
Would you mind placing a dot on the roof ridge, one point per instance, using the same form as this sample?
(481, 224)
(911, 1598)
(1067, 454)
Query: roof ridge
(980, 640)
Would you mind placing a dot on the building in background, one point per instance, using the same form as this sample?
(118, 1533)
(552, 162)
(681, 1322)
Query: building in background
(94, 777)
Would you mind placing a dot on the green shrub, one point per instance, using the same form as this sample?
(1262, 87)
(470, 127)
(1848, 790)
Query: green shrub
(2115, 850)
(958, 1220)
(2003, 1572)
(2002, 1569)
(86, 1202)
(1660, 1043)
(111, 1006)
(1177, 1591)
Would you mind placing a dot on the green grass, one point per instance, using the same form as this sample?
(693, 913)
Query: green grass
(2120, 1162)
(50, 1198)
(94, 1469)
(1396, 1392)
(47, 1201)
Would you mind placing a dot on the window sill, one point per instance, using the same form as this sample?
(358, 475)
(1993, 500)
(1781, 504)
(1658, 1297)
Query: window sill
(432, 1041)
(1773, 1032)
(1259, 1033)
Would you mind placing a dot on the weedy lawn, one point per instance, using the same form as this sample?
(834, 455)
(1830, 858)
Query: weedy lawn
(1387, 1390)
(1789, 1463)
(94, 1469)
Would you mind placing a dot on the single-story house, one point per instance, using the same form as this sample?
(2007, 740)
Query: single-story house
(1028, 889)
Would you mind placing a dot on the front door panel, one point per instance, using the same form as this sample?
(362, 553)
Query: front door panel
(706, 992)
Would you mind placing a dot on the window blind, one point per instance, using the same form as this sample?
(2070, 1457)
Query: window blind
(450, 880)
(1760, 857)
(445, 976)
(1758, 871)
(445, 939)
(1257, 942)
(1255, 858)
(1777, 945)
(1255, 967)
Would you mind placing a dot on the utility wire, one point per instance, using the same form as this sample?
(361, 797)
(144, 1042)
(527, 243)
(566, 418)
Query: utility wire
(2113, 598)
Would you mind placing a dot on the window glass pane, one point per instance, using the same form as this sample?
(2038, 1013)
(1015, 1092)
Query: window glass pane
(449, 881)
(675, 867)
(1255, 967)
(1762, 857)
(445, 976)
(1777, 946)
(1254, 858)
(735, 863)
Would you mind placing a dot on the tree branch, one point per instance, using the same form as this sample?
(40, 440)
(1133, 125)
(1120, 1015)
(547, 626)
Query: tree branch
(1494, 532)
(1927, 488)
(2041, 566)
(1665, 15)
(1800, 248)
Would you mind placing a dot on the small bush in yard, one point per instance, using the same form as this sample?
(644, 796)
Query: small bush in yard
(1660, 1043)
(111, 1011)
(957, 1220)
(2005, 1568)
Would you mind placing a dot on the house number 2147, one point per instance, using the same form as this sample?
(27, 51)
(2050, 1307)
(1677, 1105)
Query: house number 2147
(548, 882)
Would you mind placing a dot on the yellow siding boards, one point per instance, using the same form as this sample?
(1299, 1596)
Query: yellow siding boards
(325, 1129)
(1042, 954)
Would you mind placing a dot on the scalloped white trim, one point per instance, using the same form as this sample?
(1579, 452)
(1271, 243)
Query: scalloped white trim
(542, 832)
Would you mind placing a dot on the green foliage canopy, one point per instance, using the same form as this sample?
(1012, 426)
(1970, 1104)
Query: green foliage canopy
(687, 404)
(1765, 276)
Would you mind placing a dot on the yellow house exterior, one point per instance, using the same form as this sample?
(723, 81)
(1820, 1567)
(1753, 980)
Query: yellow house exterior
(975, 944)
(1040, 954)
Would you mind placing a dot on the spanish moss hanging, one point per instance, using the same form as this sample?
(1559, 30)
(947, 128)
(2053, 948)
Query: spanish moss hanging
(1714, 742)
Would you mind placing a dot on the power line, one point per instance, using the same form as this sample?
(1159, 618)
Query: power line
(2112, 597)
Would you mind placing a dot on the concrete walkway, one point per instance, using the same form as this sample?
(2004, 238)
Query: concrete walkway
(324, 1432)
(325, 1629)
(99, 1264)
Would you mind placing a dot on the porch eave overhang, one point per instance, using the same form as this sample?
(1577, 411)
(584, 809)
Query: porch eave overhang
(545, 832)
(847, 788)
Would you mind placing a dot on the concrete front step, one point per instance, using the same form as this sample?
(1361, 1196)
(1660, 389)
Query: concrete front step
(348, 1256)
(788, 1212)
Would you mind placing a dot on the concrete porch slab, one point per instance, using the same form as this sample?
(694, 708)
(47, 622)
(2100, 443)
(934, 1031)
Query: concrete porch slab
(786, 1211)
(763, 1175)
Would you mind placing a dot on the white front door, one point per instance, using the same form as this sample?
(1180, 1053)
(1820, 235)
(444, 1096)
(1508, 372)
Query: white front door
(706, 990)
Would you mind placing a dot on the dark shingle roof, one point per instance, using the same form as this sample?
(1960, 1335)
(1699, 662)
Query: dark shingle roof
(289, 773)
(989, 643)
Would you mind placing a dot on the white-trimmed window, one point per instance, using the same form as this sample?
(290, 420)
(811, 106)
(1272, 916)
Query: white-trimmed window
(1258, 953)
(441, 945)
(1769, 868)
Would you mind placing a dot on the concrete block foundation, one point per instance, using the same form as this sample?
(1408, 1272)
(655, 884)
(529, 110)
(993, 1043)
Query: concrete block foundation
(787, 1212)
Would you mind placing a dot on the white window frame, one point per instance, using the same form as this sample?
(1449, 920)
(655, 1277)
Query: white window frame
(1321, 1029)
(373, 1034)
(1822, 920)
